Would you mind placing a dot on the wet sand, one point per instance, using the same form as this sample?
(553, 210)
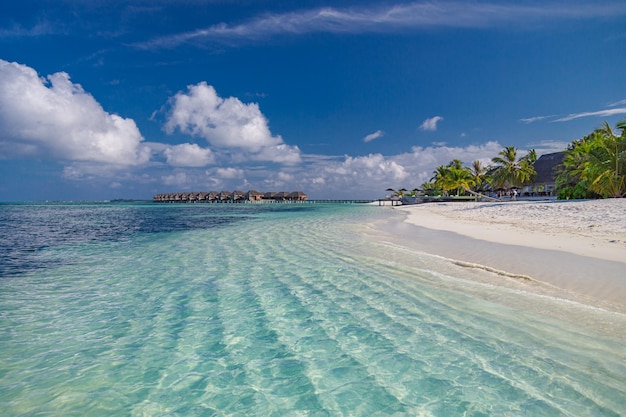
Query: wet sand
(578, 247)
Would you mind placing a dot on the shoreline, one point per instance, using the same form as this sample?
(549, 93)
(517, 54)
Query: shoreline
(576, 247)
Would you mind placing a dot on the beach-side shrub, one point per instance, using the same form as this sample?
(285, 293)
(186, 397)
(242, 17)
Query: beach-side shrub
(578, 191)
(594, 166)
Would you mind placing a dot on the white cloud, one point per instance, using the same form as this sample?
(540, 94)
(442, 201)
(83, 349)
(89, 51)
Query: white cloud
(179, 179)
(188, 155)
(600, 113)
(428, 158)
(391, 18)
(283, 154)
(284, 176)
(548, 146)
(355, 177)
(73, 173)
(617, 103)
(39, 29)
(372, 136)
(535, 119)
(229, 173)
(431, 124)
(55, 118)
(362, 177)
(226, 123)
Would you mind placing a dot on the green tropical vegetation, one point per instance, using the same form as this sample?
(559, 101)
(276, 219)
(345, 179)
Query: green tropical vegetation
(458, 180)
(510, 171)
(453, 176)
(594, 166)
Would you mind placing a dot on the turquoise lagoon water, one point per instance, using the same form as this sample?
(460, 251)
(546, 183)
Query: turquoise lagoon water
(277, 310)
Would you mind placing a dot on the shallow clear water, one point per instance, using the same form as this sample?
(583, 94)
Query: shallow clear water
(162, 310)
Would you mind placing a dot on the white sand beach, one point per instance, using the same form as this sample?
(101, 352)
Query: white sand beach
(577, 246)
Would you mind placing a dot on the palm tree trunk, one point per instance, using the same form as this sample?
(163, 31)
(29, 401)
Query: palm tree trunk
(474, 193)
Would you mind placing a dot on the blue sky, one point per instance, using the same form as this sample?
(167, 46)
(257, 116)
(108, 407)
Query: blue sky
(343, 99)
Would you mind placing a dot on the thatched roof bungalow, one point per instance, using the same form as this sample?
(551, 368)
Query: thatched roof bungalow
(238, 195)
(254, 195)
(282, 195)
(228, 197)
(544, 183)
(297, 196)
(225, 195)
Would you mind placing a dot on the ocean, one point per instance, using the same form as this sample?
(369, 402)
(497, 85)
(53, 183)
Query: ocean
(141, 309)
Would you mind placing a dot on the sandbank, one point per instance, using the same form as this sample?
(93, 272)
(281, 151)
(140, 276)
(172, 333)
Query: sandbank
(576, 246)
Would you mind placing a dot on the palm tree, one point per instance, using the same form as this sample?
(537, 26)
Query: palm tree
(512, 172)
(606, 171)
(439, 179)
(459, 177)
(478, 176)
(453, 176)
(569, 179)
(430, 188)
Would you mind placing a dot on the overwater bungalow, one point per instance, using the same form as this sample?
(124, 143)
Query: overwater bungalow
(254, 195)
(238, 195)
(297, 196)
(225, 196)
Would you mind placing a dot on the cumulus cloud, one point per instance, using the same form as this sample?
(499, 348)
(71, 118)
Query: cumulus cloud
(227, 123)
(372, 136)
(53, 117)
(353, 177)
(431, 124)
(428, 158)
(371, 166)
(370, 175)
(188, 155)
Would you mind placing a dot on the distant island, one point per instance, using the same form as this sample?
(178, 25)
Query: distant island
(230, 197)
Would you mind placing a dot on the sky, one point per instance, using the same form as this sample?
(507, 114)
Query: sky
(124, 99)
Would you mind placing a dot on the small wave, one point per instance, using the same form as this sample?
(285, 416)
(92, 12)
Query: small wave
(493, 270)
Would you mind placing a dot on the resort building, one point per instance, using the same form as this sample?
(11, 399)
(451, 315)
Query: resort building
(545, 181)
